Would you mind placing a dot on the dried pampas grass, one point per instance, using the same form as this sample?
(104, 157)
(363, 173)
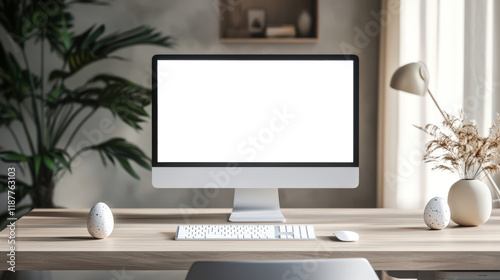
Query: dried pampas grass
(458, 148)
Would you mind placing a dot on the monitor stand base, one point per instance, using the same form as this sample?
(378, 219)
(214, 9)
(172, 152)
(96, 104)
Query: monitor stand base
(256, 205)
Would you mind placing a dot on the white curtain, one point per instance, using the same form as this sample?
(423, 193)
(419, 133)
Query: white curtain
(459, 40)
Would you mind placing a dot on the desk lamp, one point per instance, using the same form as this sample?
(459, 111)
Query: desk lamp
(414, 78)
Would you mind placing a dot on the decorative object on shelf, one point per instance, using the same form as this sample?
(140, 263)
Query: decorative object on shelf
(236, 26)
(280, 31)
(437, 213)
(304, 24)
(43, 114)
(256, 22)
(458, 147)
(100, 222)
(236, 21)
(470, 202)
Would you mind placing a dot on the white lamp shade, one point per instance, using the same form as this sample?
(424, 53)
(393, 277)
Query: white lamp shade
(411, 78)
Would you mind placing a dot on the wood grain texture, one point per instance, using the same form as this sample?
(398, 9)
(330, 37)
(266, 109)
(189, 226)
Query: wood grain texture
(268, 40)
(57, 239)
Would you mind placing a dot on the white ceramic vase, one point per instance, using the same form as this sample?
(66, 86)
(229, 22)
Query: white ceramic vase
(304, 24)
(470, 202)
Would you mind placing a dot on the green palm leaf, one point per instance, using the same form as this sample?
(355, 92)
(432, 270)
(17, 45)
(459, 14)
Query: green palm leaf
(58, 34)
(20, 17)
(13, 157)
(13, 79)
(90, 46)
(122, 97)
(8, 114)
(11, 11)
(122, 151)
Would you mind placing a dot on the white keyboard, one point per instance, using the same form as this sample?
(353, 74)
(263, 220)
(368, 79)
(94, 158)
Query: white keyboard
(245, 232)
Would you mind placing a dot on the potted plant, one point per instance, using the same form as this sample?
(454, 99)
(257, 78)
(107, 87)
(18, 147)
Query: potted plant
(458, 148)
(38, 108)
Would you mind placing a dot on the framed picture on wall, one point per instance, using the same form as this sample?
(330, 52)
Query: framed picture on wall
(256, 21)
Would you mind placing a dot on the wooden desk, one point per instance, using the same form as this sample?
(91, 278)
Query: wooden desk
(57, 239)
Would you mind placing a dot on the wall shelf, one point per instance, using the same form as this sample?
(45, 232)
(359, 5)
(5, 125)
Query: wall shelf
(268, 40)
(233, 19)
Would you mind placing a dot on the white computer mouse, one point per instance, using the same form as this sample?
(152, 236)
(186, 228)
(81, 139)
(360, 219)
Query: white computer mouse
(347, 236)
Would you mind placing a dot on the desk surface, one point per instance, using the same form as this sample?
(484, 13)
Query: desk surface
(57, 239)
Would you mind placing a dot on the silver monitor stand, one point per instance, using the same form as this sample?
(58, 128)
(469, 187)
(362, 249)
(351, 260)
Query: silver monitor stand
(256, 205)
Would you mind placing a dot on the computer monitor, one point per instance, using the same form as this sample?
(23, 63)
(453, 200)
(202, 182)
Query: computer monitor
(255, 123)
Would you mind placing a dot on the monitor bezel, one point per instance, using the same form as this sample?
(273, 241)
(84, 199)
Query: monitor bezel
(350, 57)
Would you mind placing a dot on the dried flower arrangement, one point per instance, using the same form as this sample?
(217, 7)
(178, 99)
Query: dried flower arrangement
(457, 147)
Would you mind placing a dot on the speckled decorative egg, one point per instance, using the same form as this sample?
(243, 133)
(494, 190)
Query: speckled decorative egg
(437, 213)
(100, 222)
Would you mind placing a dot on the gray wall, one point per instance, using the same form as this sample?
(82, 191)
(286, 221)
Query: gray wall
(345, 26)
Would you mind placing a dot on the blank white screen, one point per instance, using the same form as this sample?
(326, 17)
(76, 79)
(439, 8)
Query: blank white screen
(255, 111)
